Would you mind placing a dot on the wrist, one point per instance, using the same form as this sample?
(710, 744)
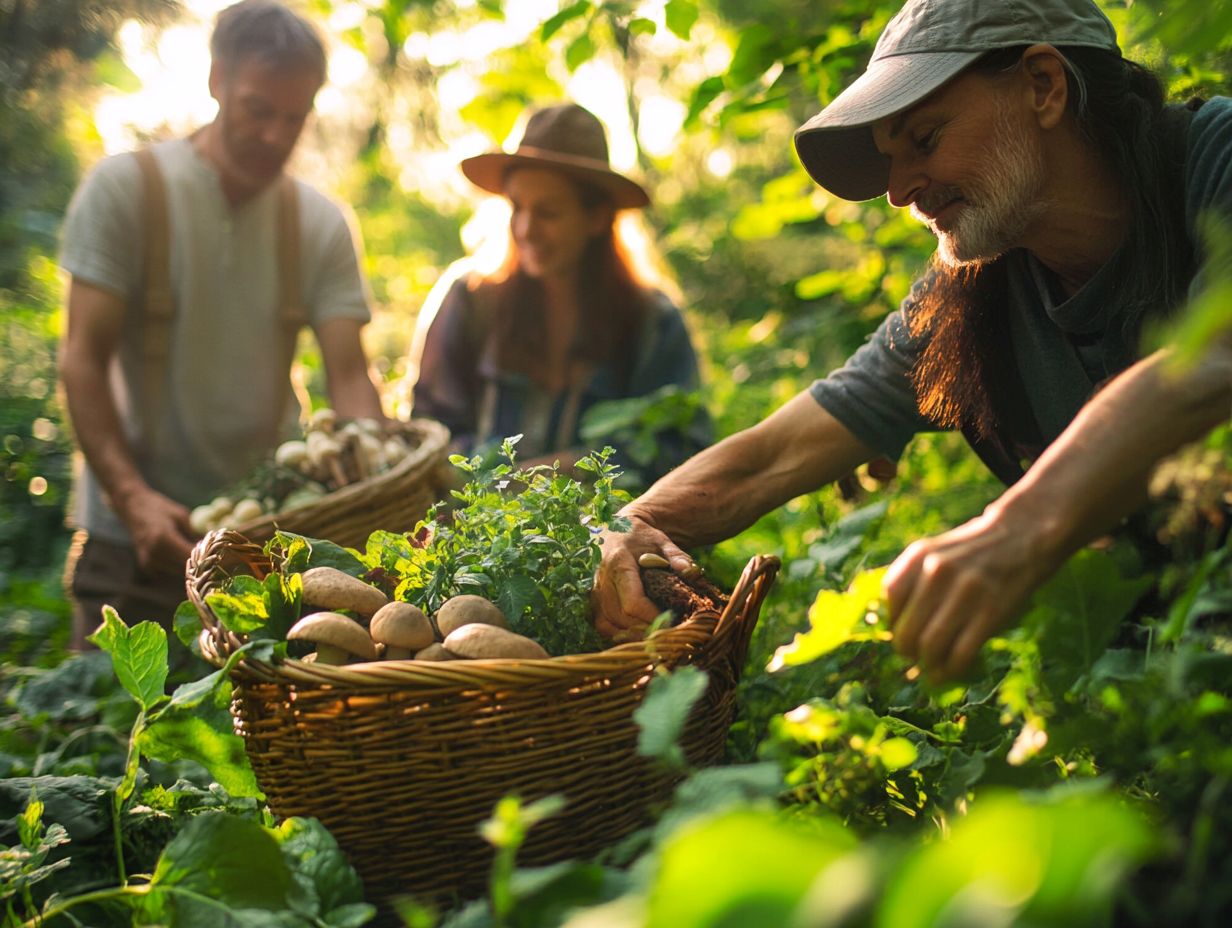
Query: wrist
(1044, 526)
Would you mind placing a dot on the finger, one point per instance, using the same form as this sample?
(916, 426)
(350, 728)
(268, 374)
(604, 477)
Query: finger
(950, 617)
(923, 599)
(680, 560)
(899, 583)
(973, 636)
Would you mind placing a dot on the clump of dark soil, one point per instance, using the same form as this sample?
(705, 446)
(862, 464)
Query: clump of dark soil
(668, 590)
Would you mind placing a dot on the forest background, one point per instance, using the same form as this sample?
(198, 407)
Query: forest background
(780, 282)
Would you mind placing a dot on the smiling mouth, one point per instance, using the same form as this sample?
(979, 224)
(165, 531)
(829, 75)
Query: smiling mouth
(937, 216)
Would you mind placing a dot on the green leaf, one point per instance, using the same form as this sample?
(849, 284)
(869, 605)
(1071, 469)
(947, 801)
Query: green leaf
(836, 619)
(680, 16)
(1057, 862)
(322, 870)
(228, 860)
(754, 867)
(138, 655)
(756, 51)
(642, 26)
(579, 51)
(554, 24)
(181, 736)
(703, 95)
(663, 713)
(1077, 613)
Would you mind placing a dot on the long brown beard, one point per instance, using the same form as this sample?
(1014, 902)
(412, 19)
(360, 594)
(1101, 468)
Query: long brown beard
(960, 374)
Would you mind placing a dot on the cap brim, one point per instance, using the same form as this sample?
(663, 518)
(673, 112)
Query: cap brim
(836, 146)
(488, 172)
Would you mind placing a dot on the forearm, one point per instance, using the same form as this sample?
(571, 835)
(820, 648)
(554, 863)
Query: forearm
(99, 433)
(726, 488)
(351, 390)
(1097, 472)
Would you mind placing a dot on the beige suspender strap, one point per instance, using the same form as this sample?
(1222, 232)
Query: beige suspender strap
(157, 303)
(291, 304)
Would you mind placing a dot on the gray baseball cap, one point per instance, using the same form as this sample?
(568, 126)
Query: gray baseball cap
(925, 45)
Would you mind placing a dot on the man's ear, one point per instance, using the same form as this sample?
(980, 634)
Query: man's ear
(217, 81)
(1047, 84)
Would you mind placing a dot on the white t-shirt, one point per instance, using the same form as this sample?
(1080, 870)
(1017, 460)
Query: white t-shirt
(225, 373)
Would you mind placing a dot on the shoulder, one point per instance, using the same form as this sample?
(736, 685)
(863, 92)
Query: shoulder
(1210, 135)
(317, 205)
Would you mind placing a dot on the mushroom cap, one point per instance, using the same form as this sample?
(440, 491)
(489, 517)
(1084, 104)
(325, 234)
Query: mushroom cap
(402, 625)
(467, 608)
(332, 628)
(330, 588)
(477, 641)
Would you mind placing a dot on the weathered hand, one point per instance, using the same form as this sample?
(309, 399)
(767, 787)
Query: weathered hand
(949, 594)
(621, 608)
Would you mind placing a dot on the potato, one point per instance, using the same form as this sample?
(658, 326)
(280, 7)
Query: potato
(477, 641)
(330, 588)
(465, 610)
(434, 652)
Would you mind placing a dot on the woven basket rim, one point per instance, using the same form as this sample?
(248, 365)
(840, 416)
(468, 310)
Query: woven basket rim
(433, 437)
(705, 625)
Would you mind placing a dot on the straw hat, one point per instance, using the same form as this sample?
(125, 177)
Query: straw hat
(567, 138)
(924, 46)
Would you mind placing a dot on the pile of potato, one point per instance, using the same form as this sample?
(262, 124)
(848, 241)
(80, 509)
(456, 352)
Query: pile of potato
(331, 455)
(465, 627)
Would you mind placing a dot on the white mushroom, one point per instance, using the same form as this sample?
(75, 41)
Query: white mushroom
(292, 454)
(338, 637)
(330, 588)
(245, 511)
(466, 609)
(402, 628)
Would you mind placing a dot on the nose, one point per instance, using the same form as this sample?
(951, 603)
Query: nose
(521, 224)
(906, 183)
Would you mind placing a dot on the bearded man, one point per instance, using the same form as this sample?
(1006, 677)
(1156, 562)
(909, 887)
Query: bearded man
(193, 266)
(1066, 199)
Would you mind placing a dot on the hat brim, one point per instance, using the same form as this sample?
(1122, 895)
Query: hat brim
(488, 172)
(836, 146)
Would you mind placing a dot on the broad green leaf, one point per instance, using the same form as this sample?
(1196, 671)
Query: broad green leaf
(680, 16)
(703, 95)
(756, 51)
(226, 859)
(1014, 862)
(1077, 614)
(554, 24)
(663, 713)
(835, 619)
(754, 867)
(579, 51)
(187, 625)
(322, 870)
(241, 605)
(138, 655)
(642, 26)
(176, 736)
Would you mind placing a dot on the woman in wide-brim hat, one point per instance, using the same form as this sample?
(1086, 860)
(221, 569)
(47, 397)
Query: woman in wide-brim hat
(569, 320)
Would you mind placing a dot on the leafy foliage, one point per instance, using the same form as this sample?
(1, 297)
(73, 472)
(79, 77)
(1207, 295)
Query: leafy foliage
(526, 539)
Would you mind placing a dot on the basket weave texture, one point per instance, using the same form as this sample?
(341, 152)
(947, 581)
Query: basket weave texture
(401, 760)
(394, 500)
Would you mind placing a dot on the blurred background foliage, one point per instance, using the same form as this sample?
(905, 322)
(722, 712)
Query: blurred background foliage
(701, 98)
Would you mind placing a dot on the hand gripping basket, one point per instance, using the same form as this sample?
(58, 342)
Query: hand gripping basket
(402, 760)
(394, 500)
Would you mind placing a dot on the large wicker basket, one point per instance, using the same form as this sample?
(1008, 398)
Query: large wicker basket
(402, 760)
(394, 500)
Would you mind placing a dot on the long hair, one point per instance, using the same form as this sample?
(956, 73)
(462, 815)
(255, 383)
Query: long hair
(1119, 108)
(617, 276)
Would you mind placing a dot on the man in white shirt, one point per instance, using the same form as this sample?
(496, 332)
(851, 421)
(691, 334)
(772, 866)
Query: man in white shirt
(183, 314)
